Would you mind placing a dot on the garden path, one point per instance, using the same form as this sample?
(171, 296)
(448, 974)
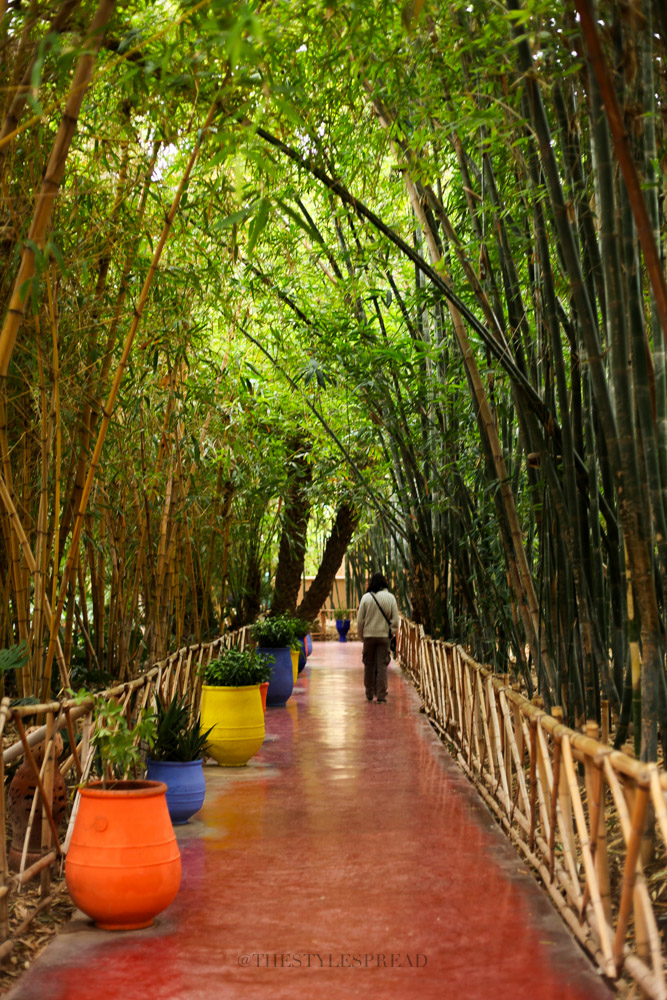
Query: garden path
(349, 859)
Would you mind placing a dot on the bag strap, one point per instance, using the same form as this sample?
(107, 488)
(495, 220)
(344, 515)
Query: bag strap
(383, 613)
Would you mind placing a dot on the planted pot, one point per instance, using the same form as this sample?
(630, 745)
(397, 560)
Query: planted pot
(263, 688)
(303, 655)
(186, 787)
(123, 865)
(294, 653)
(236, 719)
(281, 682)
(342, 627)
(309, 644)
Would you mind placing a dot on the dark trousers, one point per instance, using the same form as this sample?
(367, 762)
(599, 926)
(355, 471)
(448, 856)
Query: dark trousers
(376, 656)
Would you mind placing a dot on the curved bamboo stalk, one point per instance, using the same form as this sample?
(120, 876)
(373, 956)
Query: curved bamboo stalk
(53, 176)
(627, 164)
(17, 104)
(22, 540)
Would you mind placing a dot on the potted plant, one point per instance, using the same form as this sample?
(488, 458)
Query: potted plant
(300, 628)
(274, 637)
(123, 864)
(342, 623)
(176, 758)
(231, 705)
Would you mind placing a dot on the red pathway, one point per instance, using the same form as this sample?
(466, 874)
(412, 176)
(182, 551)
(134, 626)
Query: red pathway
(349, 859)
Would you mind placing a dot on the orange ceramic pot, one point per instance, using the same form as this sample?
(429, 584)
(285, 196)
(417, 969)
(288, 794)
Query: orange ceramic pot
(123, 865)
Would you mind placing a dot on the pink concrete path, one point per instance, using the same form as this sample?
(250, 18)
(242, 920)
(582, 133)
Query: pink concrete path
(349, 859)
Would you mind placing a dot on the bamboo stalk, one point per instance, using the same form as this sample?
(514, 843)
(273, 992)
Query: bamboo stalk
(4, 868)
(48, 778)
(533, 784)
(53, 176)
(626, 161)
(555, 786)
(514, 753)
(108, 410)
(20, 535)
(40, 787)
(658, 800)
(630, 873)
(589, 863)
(496, 744)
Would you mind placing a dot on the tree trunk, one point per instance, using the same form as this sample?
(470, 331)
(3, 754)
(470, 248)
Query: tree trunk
(292, 551)
(344, 527)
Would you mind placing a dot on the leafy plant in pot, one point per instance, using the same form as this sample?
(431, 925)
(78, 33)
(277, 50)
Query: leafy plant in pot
(176, 757)
(231, 705)
(301, 635)
(123, 864)
(274, 637)
(342, 623)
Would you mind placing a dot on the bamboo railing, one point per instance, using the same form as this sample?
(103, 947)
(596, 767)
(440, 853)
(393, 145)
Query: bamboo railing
(557, 794)
(179, 673)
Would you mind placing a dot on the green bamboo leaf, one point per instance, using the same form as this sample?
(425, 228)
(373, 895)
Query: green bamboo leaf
(234, 219)
(258, 224)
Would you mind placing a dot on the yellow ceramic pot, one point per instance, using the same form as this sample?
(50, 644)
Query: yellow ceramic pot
(237, 718)
(294, 653)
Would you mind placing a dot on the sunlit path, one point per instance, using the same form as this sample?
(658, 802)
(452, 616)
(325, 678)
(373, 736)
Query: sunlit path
(350, 840)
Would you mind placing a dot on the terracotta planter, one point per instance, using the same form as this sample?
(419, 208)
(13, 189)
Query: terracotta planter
(123, 865)
(263, 688)
(237, 718)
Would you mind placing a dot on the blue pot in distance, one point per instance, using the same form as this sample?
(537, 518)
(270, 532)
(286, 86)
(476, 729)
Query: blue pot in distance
(309, 644)
(342, 627)
(303, 655)
(281, 682)
(185, 783)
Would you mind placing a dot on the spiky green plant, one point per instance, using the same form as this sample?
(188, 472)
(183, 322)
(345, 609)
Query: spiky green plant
(178, 737)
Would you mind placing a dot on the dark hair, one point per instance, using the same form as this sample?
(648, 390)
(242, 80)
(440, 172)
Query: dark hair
(377, 582)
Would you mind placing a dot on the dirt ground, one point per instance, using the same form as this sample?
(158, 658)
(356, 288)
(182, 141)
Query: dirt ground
(39, 932)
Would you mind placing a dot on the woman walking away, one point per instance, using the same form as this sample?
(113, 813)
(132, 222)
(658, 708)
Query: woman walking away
(378, 614)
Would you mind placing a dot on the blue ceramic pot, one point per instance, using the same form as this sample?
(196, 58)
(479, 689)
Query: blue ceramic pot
(185, 786)
(309, 644)
(281, 681)
(302, 654)
(342, 627)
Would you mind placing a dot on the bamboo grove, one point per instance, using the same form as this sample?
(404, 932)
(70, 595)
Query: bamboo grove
(389, 277)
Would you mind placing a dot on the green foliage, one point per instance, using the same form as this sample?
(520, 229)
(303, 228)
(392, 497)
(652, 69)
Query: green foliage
(118, 743)
(342, 614)
(177, 737)
(276, 631)
(238, 668)
(301, 629)
(14, 657)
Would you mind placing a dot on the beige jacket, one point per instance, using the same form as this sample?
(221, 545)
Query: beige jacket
(370, 622)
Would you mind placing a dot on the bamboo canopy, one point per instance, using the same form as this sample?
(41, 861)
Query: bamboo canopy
(289, 288)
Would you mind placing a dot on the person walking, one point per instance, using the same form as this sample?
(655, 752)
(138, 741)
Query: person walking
(378, 613)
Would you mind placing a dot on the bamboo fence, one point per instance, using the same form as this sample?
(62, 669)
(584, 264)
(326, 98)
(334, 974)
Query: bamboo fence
(558, 795)
(179, 673)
